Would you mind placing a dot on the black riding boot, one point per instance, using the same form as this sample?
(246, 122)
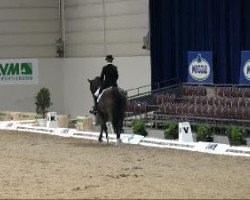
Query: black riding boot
(94, 108)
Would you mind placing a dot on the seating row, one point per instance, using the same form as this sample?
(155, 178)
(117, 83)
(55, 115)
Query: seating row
(186, 109)
(189, 90)
(219, 101)
(234, 92)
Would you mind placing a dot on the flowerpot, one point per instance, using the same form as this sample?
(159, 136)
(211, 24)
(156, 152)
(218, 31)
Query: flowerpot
(209, 139)
(236, 142)
(41, 122)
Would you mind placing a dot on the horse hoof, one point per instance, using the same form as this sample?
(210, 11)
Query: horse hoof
(119, 142)
(107, 141)
(100, 140)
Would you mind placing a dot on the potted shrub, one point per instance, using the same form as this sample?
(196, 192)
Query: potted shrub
(204, 133)
(171, 130)
(236, 136)
(139, 128)
(42, 102)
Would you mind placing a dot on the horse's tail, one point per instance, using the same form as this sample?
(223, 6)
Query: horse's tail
(119, 108)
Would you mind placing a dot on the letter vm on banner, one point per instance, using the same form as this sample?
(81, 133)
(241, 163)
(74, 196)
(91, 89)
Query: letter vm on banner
(18, 71)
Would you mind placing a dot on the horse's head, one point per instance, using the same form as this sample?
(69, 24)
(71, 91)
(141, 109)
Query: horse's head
(95, 84)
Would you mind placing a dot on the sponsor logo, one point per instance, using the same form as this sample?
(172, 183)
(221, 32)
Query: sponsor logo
(85, 135)
(169, 144)
(199, 69)
(9, 125)
(16, 71)
(65, 131)
(19, 71)
(211, 147)
(130, 138)
(238, 151)
(246, 70)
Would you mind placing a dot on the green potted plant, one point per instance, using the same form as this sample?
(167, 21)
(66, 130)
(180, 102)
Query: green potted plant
(42, 102)
(236, 136)
(204, 133)
(171, 130)
(139, 128)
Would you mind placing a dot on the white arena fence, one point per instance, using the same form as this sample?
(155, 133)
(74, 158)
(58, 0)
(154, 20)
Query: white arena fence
(205, 147)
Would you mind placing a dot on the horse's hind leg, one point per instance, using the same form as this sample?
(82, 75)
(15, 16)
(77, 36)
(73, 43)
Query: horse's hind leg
(118, 134)
(106, 131)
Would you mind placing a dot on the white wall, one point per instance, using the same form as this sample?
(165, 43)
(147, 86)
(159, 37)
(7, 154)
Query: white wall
(67, 81)
(21, 97)
(126, 22)
(28, 28)
(133, 72)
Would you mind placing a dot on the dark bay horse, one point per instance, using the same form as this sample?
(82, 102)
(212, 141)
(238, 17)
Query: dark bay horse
(111, 108)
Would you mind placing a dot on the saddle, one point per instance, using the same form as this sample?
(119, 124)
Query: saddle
(100, 95)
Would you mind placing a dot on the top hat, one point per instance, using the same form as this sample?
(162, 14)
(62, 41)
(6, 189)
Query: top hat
(109, 57)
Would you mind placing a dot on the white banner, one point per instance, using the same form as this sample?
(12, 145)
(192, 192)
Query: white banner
(205, 147)
(19, 71)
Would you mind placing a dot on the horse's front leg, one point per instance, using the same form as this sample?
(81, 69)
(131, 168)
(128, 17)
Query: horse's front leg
(118, 141)
(100, 136)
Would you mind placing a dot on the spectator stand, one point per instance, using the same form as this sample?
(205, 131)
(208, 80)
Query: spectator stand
(217, 105)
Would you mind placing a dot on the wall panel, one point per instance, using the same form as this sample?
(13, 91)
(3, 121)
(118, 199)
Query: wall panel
(28, 28)
(123, 25)
(16, 27)
(28, 4)
(126, 7)
(127, 22)
(127, 35)
(30, 14)
(86, 11)
(126, 49)
(83, 38)
(27, 52)
(88, 24)
(29, 39)
(92, 50)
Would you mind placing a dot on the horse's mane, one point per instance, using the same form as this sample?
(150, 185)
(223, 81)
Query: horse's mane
(97, 78)
(95, 84)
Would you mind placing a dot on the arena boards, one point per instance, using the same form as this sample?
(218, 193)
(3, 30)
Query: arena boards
(212, 148)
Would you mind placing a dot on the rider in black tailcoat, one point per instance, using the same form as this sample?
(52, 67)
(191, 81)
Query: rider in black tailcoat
(109, 77)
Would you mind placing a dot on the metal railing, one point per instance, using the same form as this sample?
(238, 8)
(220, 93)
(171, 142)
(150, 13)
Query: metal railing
(151, 88)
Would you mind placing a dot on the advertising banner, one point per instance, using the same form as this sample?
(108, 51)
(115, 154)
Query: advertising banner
(245, 68)
(18, 71)
(200, 67)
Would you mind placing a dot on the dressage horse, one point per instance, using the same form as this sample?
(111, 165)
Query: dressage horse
(111, 107)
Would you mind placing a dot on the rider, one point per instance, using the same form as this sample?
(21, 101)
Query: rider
(109, 77)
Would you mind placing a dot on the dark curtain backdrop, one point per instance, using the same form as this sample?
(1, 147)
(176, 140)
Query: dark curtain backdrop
(179, 26)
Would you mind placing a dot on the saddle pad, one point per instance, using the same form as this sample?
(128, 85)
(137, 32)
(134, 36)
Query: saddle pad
(100, 95)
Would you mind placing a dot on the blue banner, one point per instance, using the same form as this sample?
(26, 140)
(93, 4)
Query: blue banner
(245, 68)
(200, 67)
